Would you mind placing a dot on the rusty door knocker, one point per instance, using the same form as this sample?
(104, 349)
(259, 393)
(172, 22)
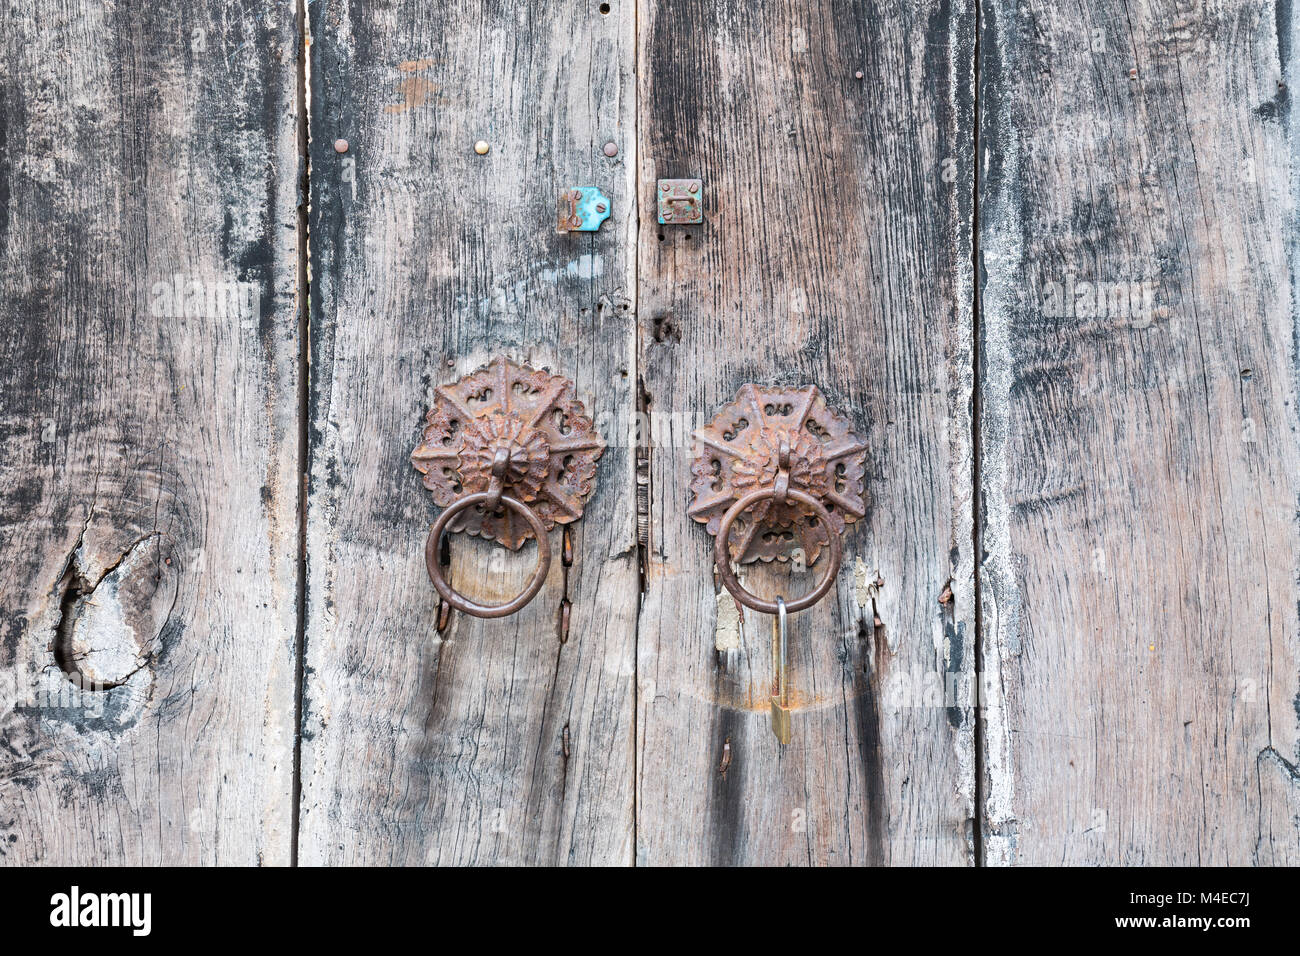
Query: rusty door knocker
(777, 474)
(509, 452)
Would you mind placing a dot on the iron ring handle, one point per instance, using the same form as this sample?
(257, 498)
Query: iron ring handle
(459, 601)
(722, 555)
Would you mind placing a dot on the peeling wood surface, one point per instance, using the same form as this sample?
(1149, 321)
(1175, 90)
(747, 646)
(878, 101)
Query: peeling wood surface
(495, 742)
(835, 251)
(148, 373)
(1140, 467)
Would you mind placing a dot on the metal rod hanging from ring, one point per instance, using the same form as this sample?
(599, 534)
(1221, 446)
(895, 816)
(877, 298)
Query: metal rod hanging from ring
(778, 473)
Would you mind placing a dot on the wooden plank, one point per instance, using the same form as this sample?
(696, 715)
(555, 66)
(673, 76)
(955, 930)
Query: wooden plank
(496, 743)
(835, 251)
(1139, 462)
(148, 411)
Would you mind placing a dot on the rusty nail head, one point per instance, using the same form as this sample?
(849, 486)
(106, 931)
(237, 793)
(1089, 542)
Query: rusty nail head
(340, 146)
(611, 148)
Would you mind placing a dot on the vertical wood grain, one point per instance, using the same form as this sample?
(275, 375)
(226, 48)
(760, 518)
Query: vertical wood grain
(1137, 421)
(836, 251)
(148, 369)
(494, 742)
(1140, 466)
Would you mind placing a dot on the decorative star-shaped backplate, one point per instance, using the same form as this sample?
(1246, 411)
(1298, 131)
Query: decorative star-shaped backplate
(739, 452)
(535, 416)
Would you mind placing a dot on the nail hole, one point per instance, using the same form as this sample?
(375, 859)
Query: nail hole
(661, 237)
(604, 8)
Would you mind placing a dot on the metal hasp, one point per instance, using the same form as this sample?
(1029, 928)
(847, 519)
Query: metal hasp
(680, 201)
(581, 209)
(509, 451)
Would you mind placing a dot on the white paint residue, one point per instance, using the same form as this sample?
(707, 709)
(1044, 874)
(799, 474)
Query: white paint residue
(586, 266)
(1003, 260)
(726, 634)
(864, 584)
(509, 291)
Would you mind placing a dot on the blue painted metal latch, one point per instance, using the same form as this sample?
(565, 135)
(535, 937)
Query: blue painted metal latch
(581, 209)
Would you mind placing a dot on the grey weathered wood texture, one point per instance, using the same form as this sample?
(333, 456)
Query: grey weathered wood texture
(148, 498)
(1140, 468)
(836, 251)
(496, 742)
(1091, 495)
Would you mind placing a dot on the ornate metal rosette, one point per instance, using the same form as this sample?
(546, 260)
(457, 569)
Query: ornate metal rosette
(528, 425)
(739, 452)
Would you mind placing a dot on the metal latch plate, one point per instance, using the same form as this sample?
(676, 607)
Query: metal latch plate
(680, 201)
(581, 209)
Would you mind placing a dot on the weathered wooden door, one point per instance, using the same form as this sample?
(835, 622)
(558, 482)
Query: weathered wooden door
(1040, 259)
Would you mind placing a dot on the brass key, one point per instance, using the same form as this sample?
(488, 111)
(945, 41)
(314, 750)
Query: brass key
(780, 684)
